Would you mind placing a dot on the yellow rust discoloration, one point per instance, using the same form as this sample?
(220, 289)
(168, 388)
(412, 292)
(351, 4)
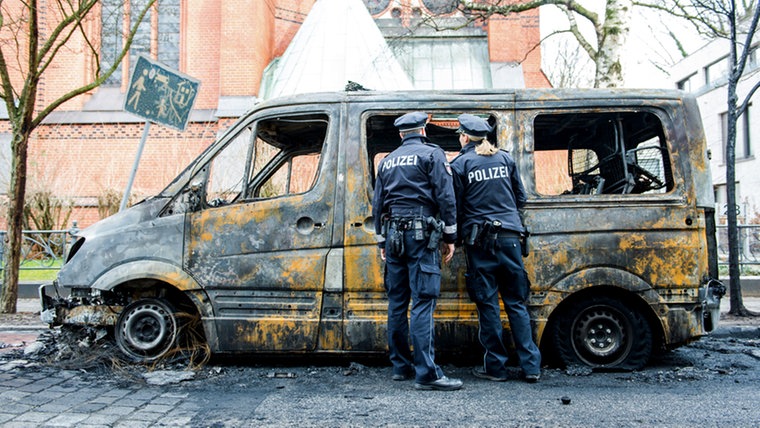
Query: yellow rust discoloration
(100, 316)
(256, 268)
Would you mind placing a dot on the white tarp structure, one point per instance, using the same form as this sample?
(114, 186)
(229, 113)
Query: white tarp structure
(338, 42)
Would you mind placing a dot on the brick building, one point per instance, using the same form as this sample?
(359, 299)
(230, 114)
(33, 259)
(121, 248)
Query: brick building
(85, 150)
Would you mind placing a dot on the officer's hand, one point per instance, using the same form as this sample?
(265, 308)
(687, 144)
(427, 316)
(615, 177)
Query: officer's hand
(382, 253)
(448, 252)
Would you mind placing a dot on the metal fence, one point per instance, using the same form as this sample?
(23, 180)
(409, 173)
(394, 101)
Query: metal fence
(40, 249)
(749, 245)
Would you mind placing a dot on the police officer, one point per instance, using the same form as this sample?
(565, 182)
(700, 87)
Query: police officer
(413, 191)
(489, 194)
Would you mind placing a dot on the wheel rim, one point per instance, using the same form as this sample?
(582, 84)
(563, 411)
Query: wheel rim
(147, 330)
(601, 336)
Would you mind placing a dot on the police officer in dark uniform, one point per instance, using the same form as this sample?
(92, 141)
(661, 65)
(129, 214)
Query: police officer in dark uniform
(490, 194)
(414, 208)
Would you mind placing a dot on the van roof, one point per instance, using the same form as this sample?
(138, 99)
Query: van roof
(475, 95)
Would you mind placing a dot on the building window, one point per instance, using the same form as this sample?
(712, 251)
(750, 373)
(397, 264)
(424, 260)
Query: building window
(440, 7)
(157, 35)
(376, 7)
(746, 138)
(743, 136)
(688, 84)
(5, 163)
(716, 71)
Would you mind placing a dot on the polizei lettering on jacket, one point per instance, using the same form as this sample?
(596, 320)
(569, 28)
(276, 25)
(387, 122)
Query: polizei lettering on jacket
(487, 174)
(400, 161)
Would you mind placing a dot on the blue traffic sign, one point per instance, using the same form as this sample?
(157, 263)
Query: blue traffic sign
(159, 94)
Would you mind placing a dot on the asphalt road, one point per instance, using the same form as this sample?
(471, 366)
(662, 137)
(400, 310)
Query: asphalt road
(713, 382)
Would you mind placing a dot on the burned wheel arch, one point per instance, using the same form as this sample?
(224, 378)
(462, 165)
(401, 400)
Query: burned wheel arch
(609, 282)
(621, 303)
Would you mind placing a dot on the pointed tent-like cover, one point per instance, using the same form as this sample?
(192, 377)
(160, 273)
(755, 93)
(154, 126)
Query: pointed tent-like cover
(338, 42)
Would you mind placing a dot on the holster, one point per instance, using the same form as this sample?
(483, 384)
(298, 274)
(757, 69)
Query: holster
(524, 243)
(491, 234)
(395, 242)
(435, 229)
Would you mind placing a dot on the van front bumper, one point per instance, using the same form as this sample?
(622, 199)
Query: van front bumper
(57, 310)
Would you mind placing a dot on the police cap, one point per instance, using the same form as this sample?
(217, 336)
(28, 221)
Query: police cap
(473, 126)
(411, 121)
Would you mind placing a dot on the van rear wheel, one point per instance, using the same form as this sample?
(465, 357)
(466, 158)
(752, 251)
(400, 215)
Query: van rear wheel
(603, 333)
(147, 330)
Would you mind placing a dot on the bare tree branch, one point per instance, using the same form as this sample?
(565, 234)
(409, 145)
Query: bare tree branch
(745, 105)
(747, 47)
(592, 52)
(99, 79)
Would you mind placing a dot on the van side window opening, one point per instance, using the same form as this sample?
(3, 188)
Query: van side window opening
(226, 171)
(286, 156)
(284, 160)
(383, 136)
(612, 153)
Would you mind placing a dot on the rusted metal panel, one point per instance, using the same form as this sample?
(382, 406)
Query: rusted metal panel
(301, 271)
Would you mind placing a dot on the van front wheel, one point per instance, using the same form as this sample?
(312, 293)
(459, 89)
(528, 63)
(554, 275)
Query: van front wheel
(147, 330)
(603, 333)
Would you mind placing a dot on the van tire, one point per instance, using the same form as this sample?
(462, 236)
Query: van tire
(602, 332)
(147, 330)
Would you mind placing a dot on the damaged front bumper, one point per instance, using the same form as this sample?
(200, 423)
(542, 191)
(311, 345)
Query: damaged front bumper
(74, 310)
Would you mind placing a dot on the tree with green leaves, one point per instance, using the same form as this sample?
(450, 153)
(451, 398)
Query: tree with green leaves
(32, 34)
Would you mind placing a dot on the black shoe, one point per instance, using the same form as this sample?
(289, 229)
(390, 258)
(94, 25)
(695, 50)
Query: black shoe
(482, 374)
(441, 384)
(532, 378)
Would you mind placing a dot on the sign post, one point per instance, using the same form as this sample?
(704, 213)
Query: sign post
(157, 94)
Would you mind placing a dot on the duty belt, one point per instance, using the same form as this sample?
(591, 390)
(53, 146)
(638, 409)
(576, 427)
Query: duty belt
(407, 223)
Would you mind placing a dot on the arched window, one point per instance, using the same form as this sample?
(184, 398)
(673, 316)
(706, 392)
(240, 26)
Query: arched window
(157, 35)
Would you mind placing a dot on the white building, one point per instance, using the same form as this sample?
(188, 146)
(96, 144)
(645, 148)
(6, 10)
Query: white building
(704, 74)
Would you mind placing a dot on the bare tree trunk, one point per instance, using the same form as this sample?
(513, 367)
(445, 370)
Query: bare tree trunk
(736, 304)
(9, 295)
(612, 38)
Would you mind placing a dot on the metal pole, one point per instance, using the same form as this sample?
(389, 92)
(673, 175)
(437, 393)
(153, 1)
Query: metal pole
(134, 167)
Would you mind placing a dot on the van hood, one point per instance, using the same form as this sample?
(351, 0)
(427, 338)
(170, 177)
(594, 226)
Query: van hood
(143, 211)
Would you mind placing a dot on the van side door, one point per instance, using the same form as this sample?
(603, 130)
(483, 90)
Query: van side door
(259, 241)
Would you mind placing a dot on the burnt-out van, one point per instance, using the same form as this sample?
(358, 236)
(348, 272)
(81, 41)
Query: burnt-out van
(265, 243)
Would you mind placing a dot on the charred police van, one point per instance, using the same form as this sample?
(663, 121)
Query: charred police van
(265, 243)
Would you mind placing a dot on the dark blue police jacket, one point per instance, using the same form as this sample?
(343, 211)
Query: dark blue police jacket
(415, 178)
(488, 188)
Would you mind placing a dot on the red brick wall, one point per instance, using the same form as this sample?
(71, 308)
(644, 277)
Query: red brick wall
(511, 37)
(289, 15)
(201, 40)
(226, 45)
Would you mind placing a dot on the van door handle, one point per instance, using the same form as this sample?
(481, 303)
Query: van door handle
(306, 225)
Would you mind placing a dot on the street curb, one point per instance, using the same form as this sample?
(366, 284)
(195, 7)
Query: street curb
(737, 331)
(25, 327)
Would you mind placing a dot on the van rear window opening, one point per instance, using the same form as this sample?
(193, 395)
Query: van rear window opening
(601, 154)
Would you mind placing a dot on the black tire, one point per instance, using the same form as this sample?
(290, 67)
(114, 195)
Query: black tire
(147, 329)
(602, 333)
